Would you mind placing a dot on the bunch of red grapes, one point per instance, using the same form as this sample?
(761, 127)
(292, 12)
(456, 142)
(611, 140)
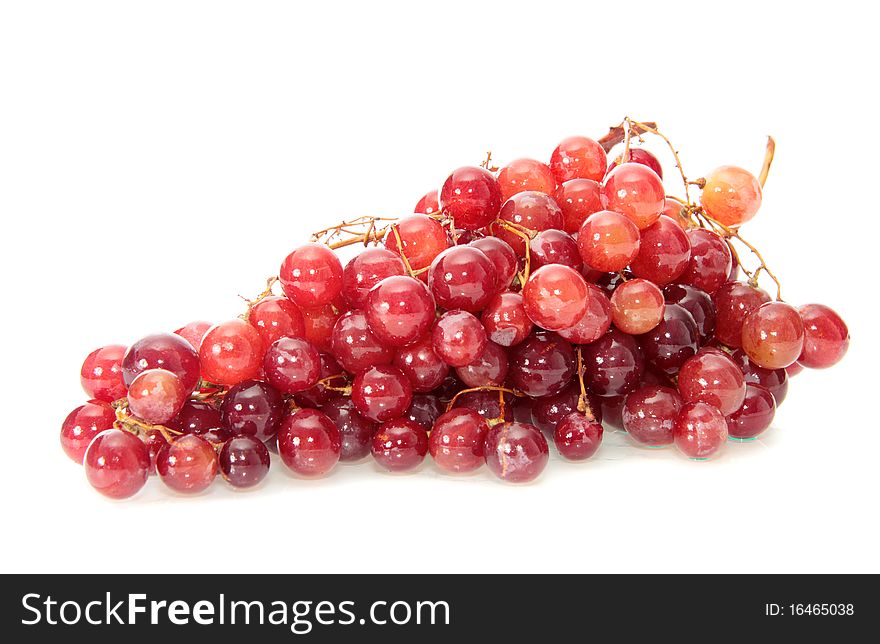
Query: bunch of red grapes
(517, 307)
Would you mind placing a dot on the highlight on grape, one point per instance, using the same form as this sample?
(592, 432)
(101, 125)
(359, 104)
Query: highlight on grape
(517, 307)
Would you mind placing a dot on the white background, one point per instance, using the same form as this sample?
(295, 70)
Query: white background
(157, 159)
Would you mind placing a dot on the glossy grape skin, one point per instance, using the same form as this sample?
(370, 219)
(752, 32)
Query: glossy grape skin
(773, 335)
(319, 325)
(612, 411)
(609, 282)
(608, 241)
(490, 369)
(673, 341)
(196, 417)
(826, 337)
(188, 464)
(399, 310)
(399, 445)
(532, 210)
(731, 195)
(471, 196)
(710, 262)
(594, 322)
(424, 410)
(502, 257)
(664, 252)
(156, 396)
(577, 199)
(276, 317)
(700, 430)
(674, 209)
(381, 393)
(355, 431)
(515, 452)
(355, 346)
(555, 297)
(243, 461)
(636, 191)
(613, 364)
(101, 374)
(755, 414)
(547, 411)
(773, 380)
(162, 351)
(117, 464)
(637, 306)
(649, 414)
(542, 365)
(252, 408)
(712, 377)
(639, 155)
(292, 365)
(734, 301)
(311, 276)
(421, 364)
(463, 277)
(456, 442)
(505, 320)
(429, 204)
(578, 157)
(365, 270)
(82, 425)
(458, 338)
(488, 404)
(525, 174)
(155, 441)
(421, 239)
(193, 332)
(231, 352)
(309, 443)
(555, 247)
(698, 303)
(577, 437)
(332, 373)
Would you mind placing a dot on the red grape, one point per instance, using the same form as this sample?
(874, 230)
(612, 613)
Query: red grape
(773, 380)
(696, 302)
(458, 338)
(525, 174)
(243, 461)
(543, 365)
(355, 346)
(636, 191)
(424, 410)
(277, 317)
(82, 425)
(421, 364)
(162, 351)
(826, 337)
(252, 408)
(399, 310)
(117, 464)
(608, 241)
(356, 432)
(400, 445)
(734, 301)
(194, 332)
(515, 452)
(156, 395)
(490, 369)
(196, 417)
(669, 344)
(613, 364)
(292, 365)
(639, 155)
(773, 335)
(429, 204)
(555, 247)
(309, 443)
(531, 210)
(311, 275)
(700, 430)
(731, 195)
(637, 306)
(505, 320)
(754, 415)
(578, 199)
(664, 252)
(462, 277)
(381, 393)
(319, 325)
(649, 414)
(712, 377)
(231, 352)
(365, 270)
(188, 464)
(555, 297)
(471, 196)
(101, 373)
(421, 240)
(595, 322)
(577, 437)
(491, 405)
(578, 157)
(503, 258)
(456, 442)
(316, 396)
(710, 261)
